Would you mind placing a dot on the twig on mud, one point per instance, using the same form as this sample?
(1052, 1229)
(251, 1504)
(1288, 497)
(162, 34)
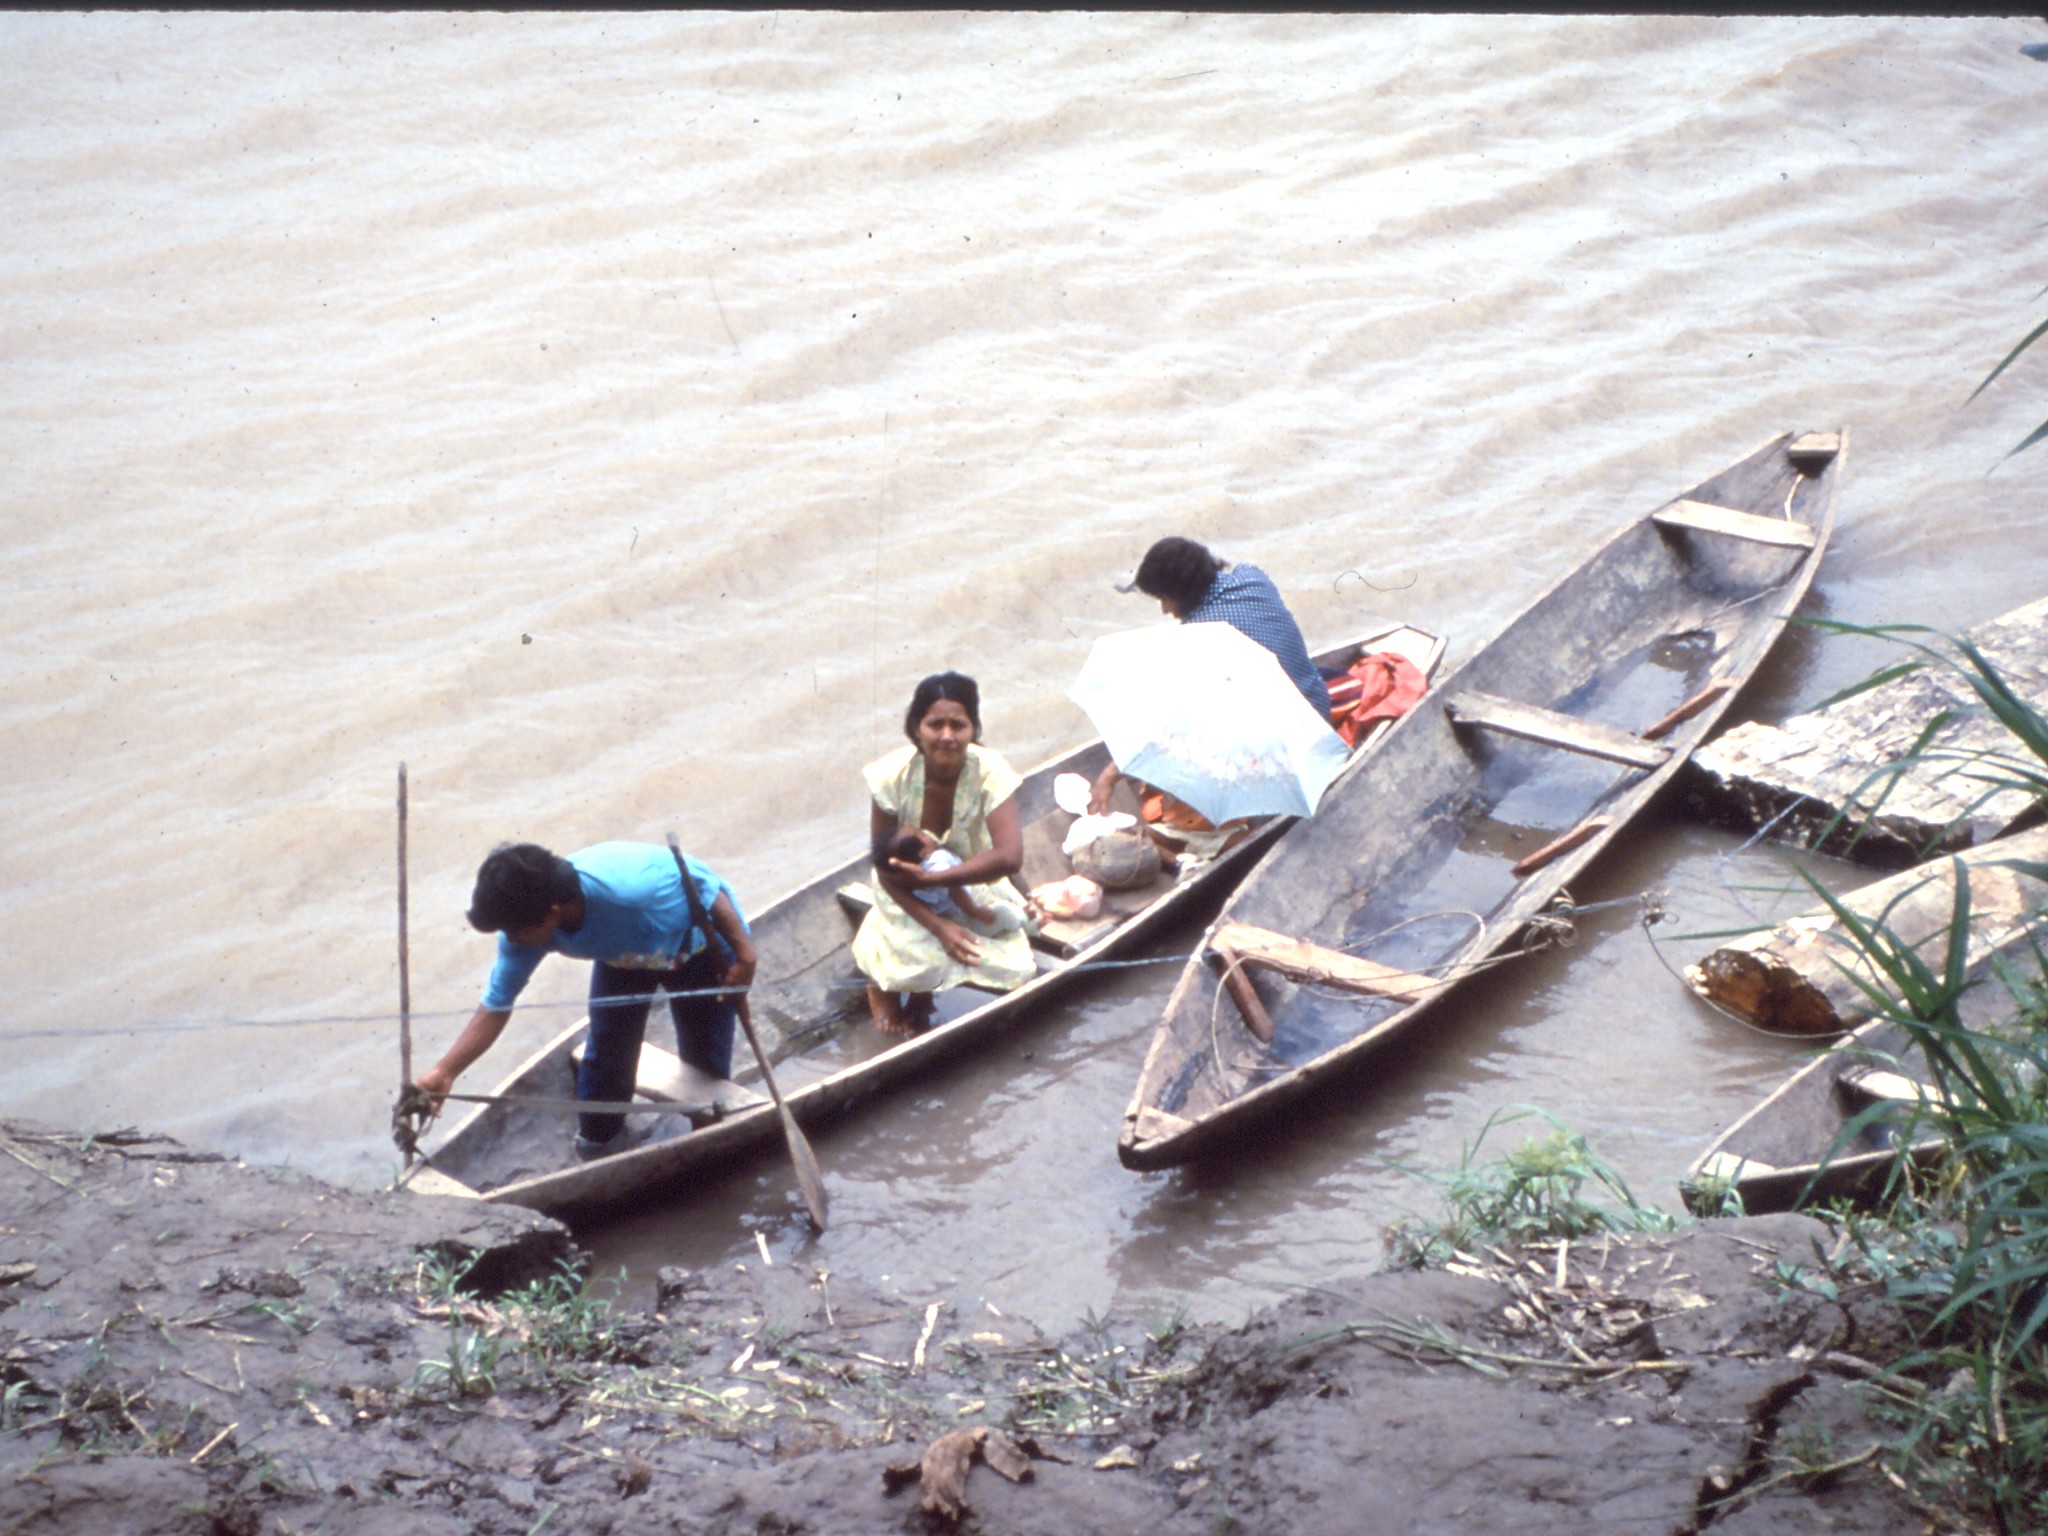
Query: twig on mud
(1422, 1337)
(931, 1321)
(1791, 1475)
(27, 1162)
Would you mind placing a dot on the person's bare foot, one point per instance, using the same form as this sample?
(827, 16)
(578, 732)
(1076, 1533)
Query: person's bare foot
(919, 1012)
(888, 1017)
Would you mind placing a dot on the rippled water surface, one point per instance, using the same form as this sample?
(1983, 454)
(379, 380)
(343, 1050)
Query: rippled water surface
(612, 416)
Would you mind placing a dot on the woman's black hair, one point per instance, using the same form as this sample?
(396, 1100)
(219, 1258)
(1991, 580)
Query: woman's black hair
(1179, 569)
(517, 885)
(956, 686)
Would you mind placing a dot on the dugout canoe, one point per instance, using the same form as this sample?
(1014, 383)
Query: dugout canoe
(1481, 805)
(1831, 1131)
(1807, 976)
(809, 1006)
(1835, 1129)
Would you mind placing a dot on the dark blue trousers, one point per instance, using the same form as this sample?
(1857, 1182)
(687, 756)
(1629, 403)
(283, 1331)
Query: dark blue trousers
(619, 1001)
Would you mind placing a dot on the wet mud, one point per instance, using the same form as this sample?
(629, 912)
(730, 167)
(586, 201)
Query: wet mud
(192, 1345)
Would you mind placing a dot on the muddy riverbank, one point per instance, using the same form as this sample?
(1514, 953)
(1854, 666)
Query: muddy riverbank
(191, 1344)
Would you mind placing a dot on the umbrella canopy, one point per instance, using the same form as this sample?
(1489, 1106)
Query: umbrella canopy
(1206, 714)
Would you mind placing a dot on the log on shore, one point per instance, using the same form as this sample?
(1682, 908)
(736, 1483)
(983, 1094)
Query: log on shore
(1804, 977)
(1833, 779)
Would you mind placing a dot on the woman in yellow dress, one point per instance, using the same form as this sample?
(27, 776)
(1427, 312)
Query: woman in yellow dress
(964, 794)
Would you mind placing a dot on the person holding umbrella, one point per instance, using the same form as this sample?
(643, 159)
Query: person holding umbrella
(1194, 586)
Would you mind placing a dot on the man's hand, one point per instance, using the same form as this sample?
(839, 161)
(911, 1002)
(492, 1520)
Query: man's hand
(436, 1082)
(477, 1036)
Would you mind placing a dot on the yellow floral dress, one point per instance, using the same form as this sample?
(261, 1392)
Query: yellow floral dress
(893, 949)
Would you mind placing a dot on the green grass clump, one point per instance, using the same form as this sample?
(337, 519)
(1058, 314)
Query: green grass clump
(1962, 1246)
(1961, 1243)
(1545, 1188)
(546, 1333)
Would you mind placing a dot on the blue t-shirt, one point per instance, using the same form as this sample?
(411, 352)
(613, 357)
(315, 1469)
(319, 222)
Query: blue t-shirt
(634, 915)
(1245, 598)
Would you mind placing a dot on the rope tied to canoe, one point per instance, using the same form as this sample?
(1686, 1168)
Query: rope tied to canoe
(410, 1117)
(1555, 925)
(526, 1006)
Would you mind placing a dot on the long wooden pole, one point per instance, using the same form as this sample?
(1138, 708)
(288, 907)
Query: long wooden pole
(404, 960)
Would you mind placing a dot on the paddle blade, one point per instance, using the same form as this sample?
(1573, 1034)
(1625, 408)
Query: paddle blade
(809, 1178)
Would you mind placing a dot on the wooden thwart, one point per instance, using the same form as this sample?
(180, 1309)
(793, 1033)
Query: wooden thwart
(1705, 517)
(1812, 450)
(1554, 729)
(1300, 960)
(1063, 937)
(666, 1078)
(1729, 1166)
(1875, 1085)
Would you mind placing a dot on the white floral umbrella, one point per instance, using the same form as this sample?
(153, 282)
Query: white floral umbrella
(1208, 715)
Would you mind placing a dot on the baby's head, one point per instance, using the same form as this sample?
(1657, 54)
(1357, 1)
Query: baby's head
(913, 845)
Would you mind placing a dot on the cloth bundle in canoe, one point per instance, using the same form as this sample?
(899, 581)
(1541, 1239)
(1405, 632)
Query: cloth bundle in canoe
(1382, 686)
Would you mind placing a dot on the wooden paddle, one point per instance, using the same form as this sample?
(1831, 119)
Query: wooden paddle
(809, 1178)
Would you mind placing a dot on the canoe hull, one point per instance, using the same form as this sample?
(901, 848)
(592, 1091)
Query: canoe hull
(1802, 1146)
(1430, 861)
(808, 1003)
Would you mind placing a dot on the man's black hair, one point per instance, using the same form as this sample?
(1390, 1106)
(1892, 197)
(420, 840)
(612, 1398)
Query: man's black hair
(1177, 568)
(517, 884)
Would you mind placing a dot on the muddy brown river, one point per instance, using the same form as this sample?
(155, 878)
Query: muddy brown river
(611, 416)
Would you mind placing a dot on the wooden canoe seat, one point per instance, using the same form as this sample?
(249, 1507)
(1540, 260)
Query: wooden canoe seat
(1705, 517)
(1554, 729)
(667, 1079)
(1729, 1167)
(1877, 1085)
(1060, 937)
(1066, 937)
(1299, 960)
(1812, 450)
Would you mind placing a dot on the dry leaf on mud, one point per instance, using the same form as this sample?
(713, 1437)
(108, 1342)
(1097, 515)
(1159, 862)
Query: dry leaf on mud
(947, 1460)
(1006, 1456)
(943, 1471)
(638, 1474)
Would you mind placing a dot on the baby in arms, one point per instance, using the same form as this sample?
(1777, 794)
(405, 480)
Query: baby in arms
(978, 905)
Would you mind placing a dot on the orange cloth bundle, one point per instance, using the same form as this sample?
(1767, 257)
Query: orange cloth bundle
(1160, 809)
(1382, 686)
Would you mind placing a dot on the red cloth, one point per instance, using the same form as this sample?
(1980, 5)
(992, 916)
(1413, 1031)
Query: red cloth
(1382, 686)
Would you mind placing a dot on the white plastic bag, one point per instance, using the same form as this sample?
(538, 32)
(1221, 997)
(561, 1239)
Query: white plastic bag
(1088, 828)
